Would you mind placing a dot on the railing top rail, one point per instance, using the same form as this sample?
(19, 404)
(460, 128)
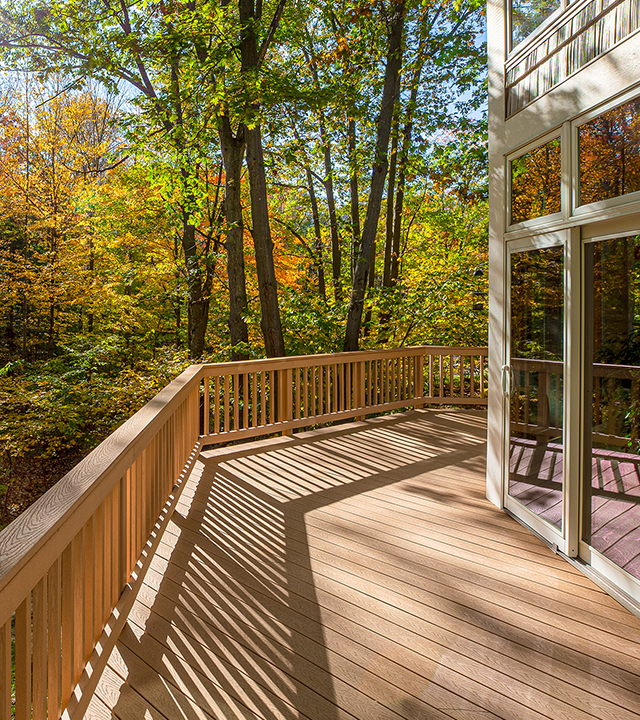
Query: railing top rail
(39, 535)
(227, 368)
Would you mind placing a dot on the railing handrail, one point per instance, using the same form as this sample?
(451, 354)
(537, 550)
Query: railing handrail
(293, 361)
(36, 535)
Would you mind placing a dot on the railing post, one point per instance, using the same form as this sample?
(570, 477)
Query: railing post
(285, 397)
(358, 386)
(205, 419)
(418, 383)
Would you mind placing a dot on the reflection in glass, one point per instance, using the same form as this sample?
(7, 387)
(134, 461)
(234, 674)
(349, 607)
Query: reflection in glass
(536, 408)
(610, 154)
(612, 378)
(535, 182)
(526, 15)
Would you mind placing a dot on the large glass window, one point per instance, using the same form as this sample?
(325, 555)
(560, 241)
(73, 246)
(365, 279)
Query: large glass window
(536, 407)
(610, 154)
(527, 15)
(612, 409)
(535, 182)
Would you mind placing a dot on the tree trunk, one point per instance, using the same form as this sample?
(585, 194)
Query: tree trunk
(263, 245)
(388, 244)
(198, 299)
(378, 175)
(261, 230)
(353, 191)
(233, 155)
(322, 287)
(336, 249)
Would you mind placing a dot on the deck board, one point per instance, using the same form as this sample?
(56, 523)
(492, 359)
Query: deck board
(359, 573)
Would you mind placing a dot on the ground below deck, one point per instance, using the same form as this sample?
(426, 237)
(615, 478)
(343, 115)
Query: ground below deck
(359, 573)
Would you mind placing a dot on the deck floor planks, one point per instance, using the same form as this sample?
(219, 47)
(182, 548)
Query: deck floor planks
(495, 660)
(618, 624)
(409, 592)
(368, 561)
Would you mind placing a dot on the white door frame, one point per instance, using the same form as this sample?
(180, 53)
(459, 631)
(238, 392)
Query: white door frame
(551, 534)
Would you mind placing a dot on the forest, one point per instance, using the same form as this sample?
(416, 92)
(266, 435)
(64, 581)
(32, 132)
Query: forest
(196, 180)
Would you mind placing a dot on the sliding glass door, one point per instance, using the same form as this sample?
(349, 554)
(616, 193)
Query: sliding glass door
(534, 386)
(611, 478)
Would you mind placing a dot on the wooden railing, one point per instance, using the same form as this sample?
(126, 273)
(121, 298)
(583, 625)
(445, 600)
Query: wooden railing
(71, 563)
(65, 561)
(258, 397)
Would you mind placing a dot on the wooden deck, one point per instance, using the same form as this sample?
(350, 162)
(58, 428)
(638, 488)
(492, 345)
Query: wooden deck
(358, 573)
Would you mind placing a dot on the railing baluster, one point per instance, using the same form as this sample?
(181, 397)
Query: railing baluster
(205, 411)
(314, 396)
(40, 650)
(430, 375)
(472, 377)
(227, 381)
(305, 391)
(451, 375)
(77, 550)
(245, 400)
(89, 570)
(254, 400)
(5, 669)
(54, 640)
(99, 571)
(67, 625)
(22, 643)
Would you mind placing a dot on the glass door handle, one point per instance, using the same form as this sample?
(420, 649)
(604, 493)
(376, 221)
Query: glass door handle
(506, 381)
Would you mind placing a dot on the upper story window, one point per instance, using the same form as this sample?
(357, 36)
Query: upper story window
(536, 182)
(527, 15)
(610, 154)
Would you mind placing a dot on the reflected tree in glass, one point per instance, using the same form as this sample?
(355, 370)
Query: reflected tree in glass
(535, 182)
(527, 15)
(610, 154)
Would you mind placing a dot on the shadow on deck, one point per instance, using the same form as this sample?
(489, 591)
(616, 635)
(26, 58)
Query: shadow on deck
(358, 572)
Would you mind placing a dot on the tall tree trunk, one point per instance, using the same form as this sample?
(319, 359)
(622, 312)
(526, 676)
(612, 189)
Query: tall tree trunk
(263, 245)
(391, 183)
(353, 191)
(322, 287)
(261, 230)
(387, 282)
(378, 176)
(336, 248)
(233, 155)
(198, 297)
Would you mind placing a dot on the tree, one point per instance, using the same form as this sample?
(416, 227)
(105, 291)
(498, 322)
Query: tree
(379, 171)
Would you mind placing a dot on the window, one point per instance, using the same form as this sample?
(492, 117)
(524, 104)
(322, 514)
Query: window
(610, 154)
(527, 15)
(535, 182)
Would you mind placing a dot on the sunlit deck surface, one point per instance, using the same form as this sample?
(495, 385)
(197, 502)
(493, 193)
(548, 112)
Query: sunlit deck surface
(359, 572)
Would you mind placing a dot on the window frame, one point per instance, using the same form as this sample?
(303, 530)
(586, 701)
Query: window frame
(515, 49)
(533, 223)
(613, 206)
